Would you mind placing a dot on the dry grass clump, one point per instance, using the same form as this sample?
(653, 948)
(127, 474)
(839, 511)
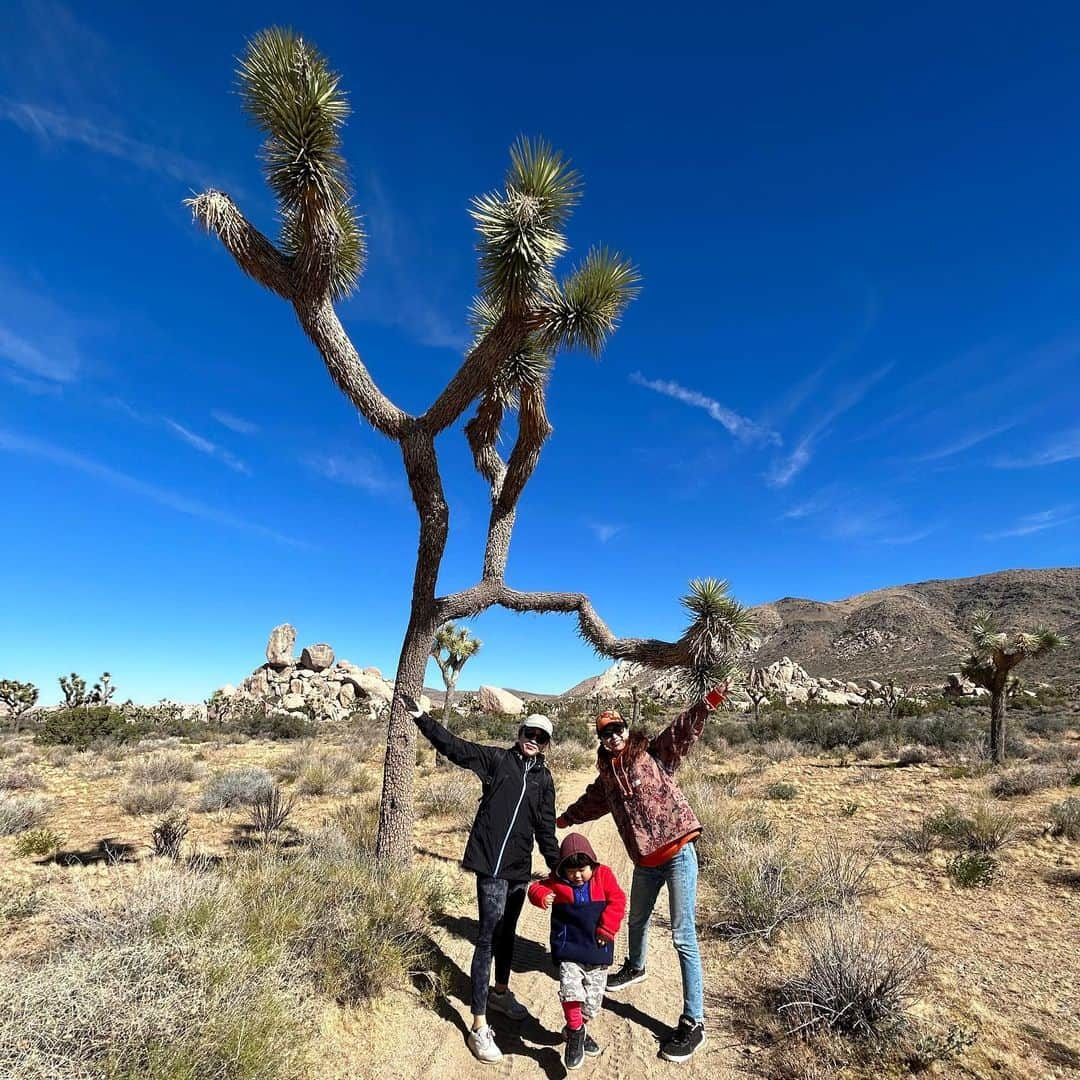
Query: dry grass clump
(141, 797)
(451, 796)
(777, 750)
(1026, 780)
(913, 755)
(984, 827)
(189, 974)
(236, 787)
(855, 981)
(18, 778)
(270, 815)
(39, 842)
(1065, 819)
(165, 766)
(21, 812)
(322, 772)
(168, 835)
(569, 756)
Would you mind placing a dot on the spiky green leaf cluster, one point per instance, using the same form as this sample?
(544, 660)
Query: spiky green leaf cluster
(291, 93)
(528, 367)
(521, 227)
(993, 649)
(719, 629)
(588, 307)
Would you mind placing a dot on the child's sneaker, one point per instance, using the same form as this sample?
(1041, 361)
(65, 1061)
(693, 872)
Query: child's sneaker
(504, 1002)
(626, 976)
(482, 1045)
(575, 1048)
(591, 1047)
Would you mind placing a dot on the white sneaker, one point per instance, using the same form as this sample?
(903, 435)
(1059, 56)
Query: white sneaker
(482, 1044)
(507, 1004)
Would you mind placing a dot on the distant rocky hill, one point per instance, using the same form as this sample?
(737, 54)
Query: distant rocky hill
(917, 633)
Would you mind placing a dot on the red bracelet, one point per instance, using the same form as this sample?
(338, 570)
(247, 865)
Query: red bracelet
(716, 696)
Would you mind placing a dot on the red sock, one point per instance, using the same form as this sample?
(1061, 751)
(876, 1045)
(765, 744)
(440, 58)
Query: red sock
(572, 1012)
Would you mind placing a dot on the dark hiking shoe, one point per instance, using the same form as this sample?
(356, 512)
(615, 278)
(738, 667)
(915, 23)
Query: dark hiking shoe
(575, 1048)
(626, 976)
(592, 1049)
(682, 1045)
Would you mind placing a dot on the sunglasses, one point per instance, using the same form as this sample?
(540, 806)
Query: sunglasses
(536, 735)
(611, 731)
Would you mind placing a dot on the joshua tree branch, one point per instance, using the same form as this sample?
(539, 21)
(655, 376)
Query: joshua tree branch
(253, 252)
(482, 431)
(322, 325)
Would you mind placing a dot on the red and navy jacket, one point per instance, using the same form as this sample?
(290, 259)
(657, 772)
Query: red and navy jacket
(584, 921)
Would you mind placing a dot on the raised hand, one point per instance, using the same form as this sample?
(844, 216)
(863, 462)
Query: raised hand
(412, 707)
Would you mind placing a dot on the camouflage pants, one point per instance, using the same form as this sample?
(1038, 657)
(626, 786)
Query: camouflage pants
(585, 983)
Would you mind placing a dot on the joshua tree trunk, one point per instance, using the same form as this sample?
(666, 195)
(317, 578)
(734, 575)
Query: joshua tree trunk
(997, 721)
(448, 702)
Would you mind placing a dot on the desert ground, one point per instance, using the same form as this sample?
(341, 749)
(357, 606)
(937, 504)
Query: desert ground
(999, 998)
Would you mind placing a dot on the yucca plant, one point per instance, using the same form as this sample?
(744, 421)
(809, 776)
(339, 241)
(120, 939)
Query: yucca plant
(524, 316)
(994, 654)
(452, 648)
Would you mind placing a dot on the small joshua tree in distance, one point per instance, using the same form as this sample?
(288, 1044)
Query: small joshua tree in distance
(103, 690)
(19, 697)
(994, 655)
(73, 687)
(458, 646)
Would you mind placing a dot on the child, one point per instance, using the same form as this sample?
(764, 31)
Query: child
(587, 907)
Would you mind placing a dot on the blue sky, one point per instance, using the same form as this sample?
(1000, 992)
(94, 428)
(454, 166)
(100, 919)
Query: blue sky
(855, 361)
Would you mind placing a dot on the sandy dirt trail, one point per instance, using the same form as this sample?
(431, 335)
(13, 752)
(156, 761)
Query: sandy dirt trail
(628, 1029)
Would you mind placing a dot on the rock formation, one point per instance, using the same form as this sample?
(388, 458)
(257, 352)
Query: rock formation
(492, 699)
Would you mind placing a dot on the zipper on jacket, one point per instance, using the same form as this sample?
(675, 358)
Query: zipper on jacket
(506, 838)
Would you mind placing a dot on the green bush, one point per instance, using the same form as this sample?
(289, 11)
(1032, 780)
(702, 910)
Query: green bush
(972, 869)
(781, 791)
(38, 842)
(82, 726)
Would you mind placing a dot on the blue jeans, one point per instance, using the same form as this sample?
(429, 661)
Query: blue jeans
(680, 874)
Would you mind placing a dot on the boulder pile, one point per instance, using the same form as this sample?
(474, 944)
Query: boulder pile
(317, 685)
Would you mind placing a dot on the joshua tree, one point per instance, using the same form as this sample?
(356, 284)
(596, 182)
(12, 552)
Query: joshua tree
(458, 646)
(892, 695)
(19, 697)
(103, 690)
(73, 687)
(756, 691)
(524, 315)
(994, 655)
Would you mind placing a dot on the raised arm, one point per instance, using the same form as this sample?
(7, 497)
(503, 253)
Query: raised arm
(675, 741)
(469, 755)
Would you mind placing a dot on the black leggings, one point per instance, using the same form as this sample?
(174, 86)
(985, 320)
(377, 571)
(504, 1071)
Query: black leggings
(500, 905)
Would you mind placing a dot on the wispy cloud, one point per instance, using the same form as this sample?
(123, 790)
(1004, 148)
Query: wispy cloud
(841, 513)
(743, 429)
(26, 446)
(1062, 447)
(603, 531)
(965, 442)
(399, 289)
(788, 467)
(205, 446)
(1037, 522)
(53, 125)
(353, 470)
(234, 423)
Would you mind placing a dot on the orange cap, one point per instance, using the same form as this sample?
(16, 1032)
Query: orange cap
(608, 716)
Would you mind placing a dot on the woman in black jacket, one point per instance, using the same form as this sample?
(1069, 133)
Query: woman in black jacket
(517, 806)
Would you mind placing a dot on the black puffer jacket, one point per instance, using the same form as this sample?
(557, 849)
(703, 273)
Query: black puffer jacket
(517, 804)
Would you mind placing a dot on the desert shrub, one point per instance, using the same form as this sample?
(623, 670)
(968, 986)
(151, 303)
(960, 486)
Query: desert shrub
(1074, 780)
(18, 778)
(917, 838)
(82, 726)
(921, 1047)
(983, 828)
(733, 732)
(18, 903)
(867, 751)
(155, 986)
(1044, 723)
(1065, 819)
(970, 869)
(144, 798)
(288, 767)
(777, 750)
(235, 787)
(326, 774)
(854, 981)
(849, 808)
(357, 825)
(59, 756)
(164, 766)
(168, 835)
(913, 755)
(270, 814)
(21, 812)
(990, 828)
(949, 824)
(756, 885)
(1026, 780)
(38, 842)
(569, 756)
(453, 796)
(781, 791)
(842, 875)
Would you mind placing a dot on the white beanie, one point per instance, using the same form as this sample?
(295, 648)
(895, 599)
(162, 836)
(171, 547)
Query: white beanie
(538, 720)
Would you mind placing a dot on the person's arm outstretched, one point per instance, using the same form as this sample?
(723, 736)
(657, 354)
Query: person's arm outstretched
(591, 805)
(461, 752)
(675, 741)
